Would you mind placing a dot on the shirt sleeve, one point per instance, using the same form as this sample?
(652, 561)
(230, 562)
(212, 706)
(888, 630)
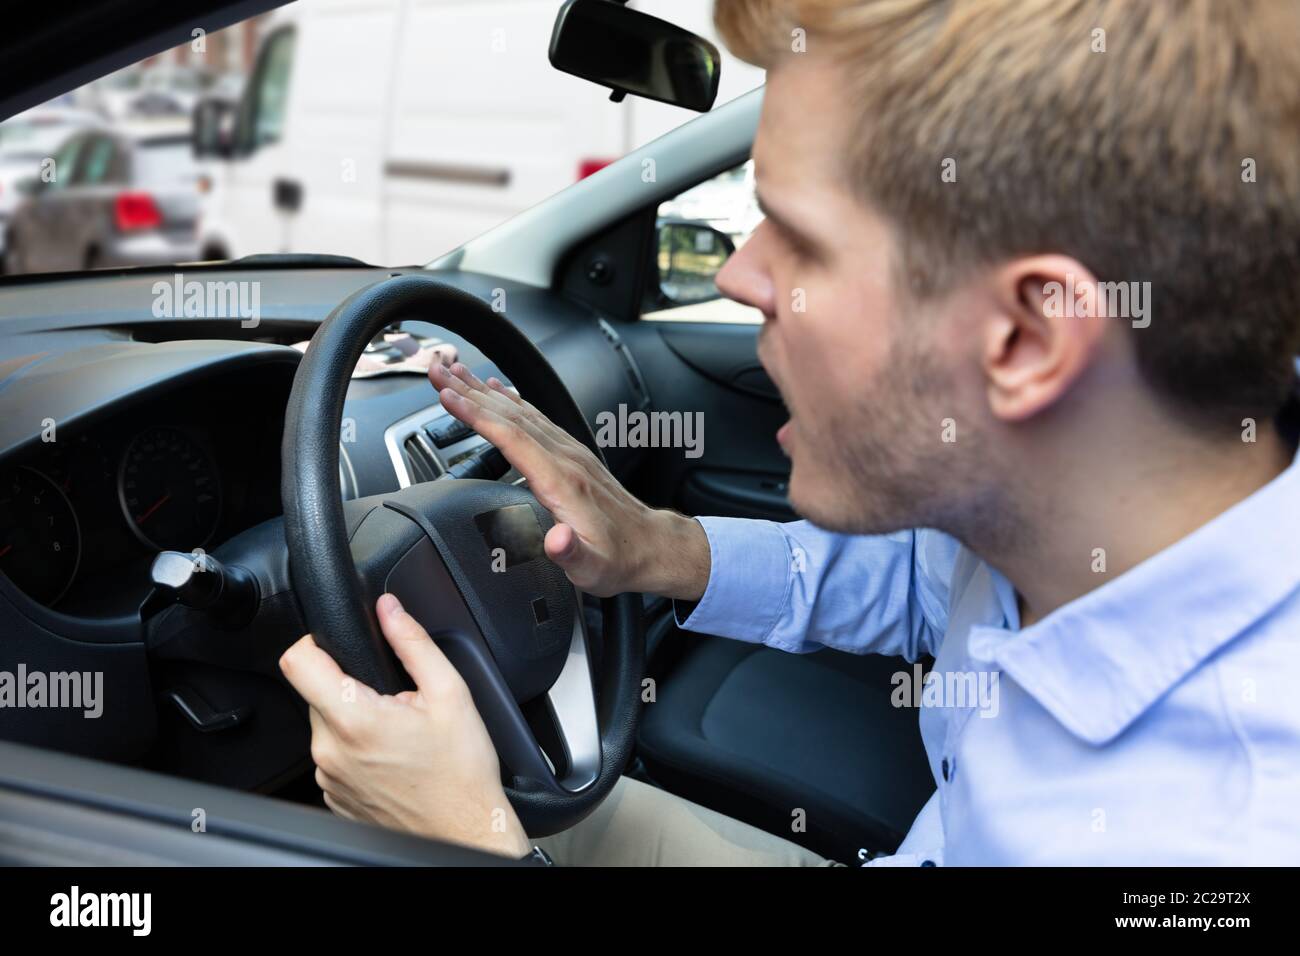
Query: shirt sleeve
(798, 588)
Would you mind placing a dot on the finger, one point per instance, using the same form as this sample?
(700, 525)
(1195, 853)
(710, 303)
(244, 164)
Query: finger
(534, 416)
(440, 374)
(511, 401)
(514, 408)
(423, 660)
(484, 397)
(464, 382)
(462, 371)
(456, 375)
(500, 399)
(521, 446)
(497, 385)
(316, 676)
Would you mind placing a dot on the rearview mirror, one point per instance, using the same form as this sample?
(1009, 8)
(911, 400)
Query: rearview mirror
(633, 52)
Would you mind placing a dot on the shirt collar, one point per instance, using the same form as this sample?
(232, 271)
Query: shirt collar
(1099, 662)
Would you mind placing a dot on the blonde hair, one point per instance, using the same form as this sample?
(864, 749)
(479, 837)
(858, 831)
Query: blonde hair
(1152, 140)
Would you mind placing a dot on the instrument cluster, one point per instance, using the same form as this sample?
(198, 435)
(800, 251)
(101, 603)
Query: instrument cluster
(82, 517)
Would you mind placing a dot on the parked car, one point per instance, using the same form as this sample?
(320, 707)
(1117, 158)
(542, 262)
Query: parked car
(117, 199)
(27, 141)
(379, 158)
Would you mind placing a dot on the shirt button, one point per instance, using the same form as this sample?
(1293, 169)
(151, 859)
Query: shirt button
(927, 862)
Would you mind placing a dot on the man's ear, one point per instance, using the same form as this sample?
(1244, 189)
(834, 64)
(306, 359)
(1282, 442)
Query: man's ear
(1046, 325)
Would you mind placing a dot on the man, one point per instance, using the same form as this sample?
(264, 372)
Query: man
(1029, 274)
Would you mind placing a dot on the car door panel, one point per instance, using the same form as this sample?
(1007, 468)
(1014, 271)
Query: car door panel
(724, 353)
(75, 811)
(712, 369)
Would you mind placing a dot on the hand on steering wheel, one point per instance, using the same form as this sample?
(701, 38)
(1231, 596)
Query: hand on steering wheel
(420, 760)
(467, 559)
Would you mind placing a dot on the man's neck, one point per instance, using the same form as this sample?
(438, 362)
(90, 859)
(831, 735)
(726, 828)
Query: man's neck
(1091, 531)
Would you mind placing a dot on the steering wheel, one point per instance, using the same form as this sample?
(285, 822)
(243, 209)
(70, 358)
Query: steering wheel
(465, 558)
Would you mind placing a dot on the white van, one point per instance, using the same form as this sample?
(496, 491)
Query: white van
(397, 166)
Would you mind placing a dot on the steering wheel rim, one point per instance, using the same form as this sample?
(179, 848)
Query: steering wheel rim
(331, 589)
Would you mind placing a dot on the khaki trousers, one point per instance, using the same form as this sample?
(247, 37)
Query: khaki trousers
(640, 825)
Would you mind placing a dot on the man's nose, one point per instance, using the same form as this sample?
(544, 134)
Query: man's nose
(745, 278)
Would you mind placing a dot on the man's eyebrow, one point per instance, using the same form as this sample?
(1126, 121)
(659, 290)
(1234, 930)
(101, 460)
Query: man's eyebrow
(784, 224)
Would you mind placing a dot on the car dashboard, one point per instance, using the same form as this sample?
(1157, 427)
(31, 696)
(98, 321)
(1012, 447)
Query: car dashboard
(125, 455)
(128, 433)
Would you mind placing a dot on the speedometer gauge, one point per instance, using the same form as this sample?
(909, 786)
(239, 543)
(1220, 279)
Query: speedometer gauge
(169, 490)
(40, 541)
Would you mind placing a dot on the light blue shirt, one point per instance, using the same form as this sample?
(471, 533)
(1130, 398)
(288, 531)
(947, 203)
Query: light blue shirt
(1154, 720)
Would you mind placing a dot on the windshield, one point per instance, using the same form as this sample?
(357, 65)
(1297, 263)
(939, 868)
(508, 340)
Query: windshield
(391, 133)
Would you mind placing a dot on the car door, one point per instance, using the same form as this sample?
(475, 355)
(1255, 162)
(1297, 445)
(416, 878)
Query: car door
(256, 194)
(73, 811)
(45, 229)
(698, 351)
(341, 114)
(86, 207)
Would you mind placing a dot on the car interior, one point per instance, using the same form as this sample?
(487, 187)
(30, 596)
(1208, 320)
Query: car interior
(145, 456)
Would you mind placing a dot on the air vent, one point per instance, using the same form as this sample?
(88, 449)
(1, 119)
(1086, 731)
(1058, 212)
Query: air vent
(420, 444)
(421, 461)
(634, 379)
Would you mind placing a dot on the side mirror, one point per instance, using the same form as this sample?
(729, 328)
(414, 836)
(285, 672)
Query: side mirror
(633, 52)
(29, 186)
(691, 255)
(212, 133)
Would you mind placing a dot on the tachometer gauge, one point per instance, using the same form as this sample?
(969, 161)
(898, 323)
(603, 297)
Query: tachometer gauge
(82, 470)
(169, 490)
(40, 540)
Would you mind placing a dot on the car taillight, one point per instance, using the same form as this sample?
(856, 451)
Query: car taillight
(132, 211)
(588, 166)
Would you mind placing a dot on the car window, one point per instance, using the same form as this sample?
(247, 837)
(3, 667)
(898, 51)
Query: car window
(167, 162)
(64, 171)
(97, 163)
(269, 95)
(693, 229)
